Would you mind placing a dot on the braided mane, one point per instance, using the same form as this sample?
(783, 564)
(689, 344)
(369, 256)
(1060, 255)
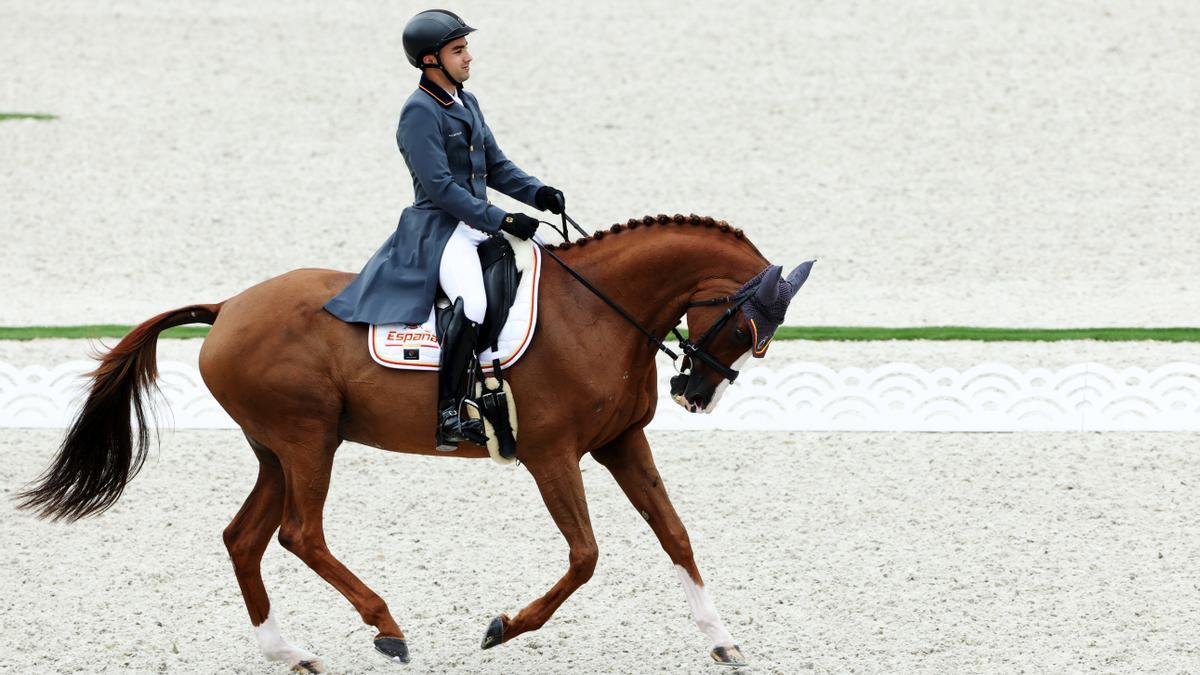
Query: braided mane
(661, 220)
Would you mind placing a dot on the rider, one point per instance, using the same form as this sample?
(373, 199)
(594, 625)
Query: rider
(453, 158)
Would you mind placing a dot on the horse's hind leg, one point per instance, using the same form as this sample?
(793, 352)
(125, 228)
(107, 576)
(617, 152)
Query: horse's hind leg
(246, 538)
(632, 465)
(306, 475)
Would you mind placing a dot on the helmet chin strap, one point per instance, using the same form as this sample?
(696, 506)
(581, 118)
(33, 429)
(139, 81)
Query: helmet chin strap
(442, 68)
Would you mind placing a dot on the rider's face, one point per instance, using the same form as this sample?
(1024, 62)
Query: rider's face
(456, 59)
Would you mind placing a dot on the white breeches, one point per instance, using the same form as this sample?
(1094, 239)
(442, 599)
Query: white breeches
(460, 274)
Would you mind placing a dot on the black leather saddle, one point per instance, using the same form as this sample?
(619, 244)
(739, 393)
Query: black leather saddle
(500, 281)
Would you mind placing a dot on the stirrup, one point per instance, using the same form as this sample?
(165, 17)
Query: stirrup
(453, 429)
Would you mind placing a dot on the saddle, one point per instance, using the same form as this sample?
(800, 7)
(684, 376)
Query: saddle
(500, 280)
(512, 273)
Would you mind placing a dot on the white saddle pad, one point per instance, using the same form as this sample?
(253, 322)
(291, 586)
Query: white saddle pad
(416, 347)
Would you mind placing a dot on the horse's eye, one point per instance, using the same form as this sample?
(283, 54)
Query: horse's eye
(740, 334)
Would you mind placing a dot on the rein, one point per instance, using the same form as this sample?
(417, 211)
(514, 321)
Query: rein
(691, 350)
(611, 303)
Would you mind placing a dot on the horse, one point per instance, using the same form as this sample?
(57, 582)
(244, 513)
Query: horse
(298, 382)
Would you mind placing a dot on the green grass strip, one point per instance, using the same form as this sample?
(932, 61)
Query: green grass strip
(4, 116)
(97, 331)
(867, 333)
(824, 333)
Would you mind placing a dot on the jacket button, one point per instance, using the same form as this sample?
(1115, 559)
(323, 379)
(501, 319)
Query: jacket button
(472, 176)
(472, 148)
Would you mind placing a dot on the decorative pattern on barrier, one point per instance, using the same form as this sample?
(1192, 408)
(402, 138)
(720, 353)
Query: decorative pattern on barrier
(796, 397)
(36, 396)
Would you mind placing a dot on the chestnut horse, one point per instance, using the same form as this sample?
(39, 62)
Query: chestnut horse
(299, 381)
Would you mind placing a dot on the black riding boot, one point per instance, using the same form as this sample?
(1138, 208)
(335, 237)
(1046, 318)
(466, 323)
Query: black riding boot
(458, 352)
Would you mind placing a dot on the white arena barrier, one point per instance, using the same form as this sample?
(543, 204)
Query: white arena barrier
(795, 397)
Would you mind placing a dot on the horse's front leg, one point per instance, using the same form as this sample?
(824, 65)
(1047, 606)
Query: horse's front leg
(629, 460)
(561, 486)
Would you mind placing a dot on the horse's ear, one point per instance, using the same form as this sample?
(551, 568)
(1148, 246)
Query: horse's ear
(797, 277)
(768, 286)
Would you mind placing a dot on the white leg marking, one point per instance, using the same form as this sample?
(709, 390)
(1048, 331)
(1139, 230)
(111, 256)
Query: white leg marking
(704, 611)
(274, 647)
(737, 365)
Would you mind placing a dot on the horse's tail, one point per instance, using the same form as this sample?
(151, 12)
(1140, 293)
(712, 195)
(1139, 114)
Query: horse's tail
(99, 456)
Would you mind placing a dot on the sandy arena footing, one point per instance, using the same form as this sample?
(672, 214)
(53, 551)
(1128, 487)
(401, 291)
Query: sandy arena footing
(850, 552)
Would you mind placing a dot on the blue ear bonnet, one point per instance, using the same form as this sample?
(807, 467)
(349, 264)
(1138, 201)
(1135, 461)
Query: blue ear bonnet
(768, 304)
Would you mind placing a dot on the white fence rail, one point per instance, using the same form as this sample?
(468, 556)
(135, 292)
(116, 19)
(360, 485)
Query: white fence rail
(796, 397)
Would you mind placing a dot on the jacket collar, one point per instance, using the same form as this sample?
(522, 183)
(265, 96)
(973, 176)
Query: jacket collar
(435, 91)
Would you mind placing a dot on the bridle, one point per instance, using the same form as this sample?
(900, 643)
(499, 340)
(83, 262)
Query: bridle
(698, 349)
(692, 351)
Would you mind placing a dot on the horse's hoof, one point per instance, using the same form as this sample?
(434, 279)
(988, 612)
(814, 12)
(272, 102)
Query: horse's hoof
(494, 634)
(310, 666)
(396, 649)
(729, 656)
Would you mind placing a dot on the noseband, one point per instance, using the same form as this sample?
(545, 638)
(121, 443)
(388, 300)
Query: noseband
(699, 349)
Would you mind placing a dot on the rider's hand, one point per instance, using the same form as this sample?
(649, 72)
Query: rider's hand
(550, 199)
(519, 225)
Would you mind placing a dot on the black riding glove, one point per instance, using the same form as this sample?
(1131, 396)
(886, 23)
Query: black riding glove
(550, 199)
(519, 225)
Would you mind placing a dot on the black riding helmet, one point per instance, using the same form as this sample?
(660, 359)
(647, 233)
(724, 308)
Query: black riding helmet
(428, 32)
